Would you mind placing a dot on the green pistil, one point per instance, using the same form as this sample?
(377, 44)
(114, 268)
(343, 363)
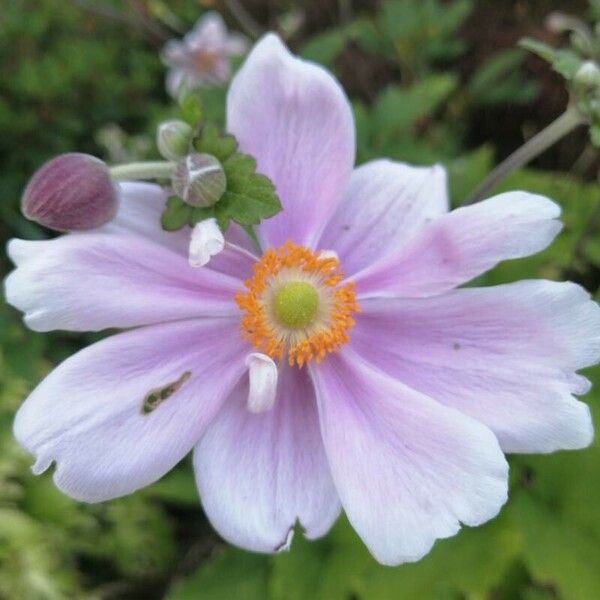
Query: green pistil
(295, 304)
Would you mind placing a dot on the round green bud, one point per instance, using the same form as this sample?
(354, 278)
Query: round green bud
(295, 304)
(199, 180)
(173, 139)
(588, 75)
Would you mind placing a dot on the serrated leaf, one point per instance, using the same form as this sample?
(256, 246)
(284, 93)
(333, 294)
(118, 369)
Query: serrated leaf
(176, 214)
(212, 141)
(542, 50)
(250, 196)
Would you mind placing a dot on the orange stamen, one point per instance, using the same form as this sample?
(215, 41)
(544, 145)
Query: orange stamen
(330, 331)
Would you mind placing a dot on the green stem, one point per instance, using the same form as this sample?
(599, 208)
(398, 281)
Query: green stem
(143, 170)
(568, 121)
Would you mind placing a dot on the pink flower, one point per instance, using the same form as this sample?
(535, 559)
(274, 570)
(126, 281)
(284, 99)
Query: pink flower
(411, 389)
(202, 58)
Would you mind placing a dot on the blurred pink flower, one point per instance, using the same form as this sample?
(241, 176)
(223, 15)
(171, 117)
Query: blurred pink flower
(404, 420)
(202, 58)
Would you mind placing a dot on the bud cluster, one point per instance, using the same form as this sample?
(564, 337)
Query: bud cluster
(75, 192)
(578, 63)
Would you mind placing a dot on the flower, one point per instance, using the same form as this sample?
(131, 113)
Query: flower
(202, 58)
(341, 368)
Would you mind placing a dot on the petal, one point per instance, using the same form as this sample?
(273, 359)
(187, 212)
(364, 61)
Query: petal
(99, 280)
(294, 118)
(463, 244)
(408, 470)
(89, 414)
(386, 204)
(260, 473)
(206, 241)
(262, 376)
(504, 355)
(140, 208)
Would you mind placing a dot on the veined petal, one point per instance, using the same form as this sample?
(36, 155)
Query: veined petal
(260, 473)
(140, 208)
(408, 470)
(295, 119)
(95, 418)
(385, 205)
(504, 355)
(463, 244)
(94, 281)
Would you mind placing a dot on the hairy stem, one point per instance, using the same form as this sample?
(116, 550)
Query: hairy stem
(568, 121)
(143, 170)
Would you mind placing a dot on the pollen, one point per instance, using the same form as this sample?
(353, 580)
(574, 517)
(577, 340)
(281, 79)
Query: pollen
(296, 305)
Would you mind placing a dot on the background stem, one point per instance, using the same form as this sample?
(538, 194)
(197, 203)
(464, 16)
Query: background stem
(568, 121)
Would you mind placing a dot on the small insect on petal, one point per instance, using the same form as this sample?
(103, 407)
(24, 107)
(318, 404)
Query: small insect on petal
(154, 398)
(71, 192)
(262, 392)
(207, 240)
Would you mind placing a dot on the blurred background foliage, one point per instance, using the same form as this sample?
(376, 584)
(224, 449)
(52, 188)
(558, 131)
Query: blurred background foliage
(430, 81)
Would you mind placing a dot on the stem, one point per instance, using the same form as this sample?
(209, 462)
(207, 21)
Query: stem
(540, 142)
(143, 170)
(244, 18)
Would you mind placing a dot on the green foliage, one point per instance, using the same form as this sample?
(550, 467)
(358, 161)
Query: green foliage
(500, 81)
(67, 73)
(249, 198)
(564, 62)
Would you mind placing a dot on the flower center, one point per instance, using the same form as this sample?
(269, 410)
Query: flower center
(296, 305)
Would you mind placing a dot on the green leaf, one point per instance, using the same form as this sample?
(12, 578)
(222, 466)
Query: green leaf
(212, 141)
(177, 487)
(250, 196)
(230, 575)
(466, 172)
(566, 63)
(398, 108)
(325, 47)
(500, 80)
(190, 105)
(595, 134)
(543, 50)
(556, 551)
(176, 214)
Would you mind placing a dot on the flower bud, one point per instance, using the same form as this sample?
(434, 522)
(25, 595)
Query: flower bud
(588, 75)
(199, 179)
(173, 139)
(71, 192)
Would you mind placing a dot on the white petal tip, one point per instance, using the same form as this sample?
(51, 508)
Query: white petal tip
(263, 382)
(206, 241)
(41, 464)
(285, 547)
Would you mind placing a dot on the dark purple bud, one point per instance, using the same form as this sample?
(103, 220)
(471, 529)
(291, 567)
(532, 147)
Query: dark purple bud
(71, 192)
